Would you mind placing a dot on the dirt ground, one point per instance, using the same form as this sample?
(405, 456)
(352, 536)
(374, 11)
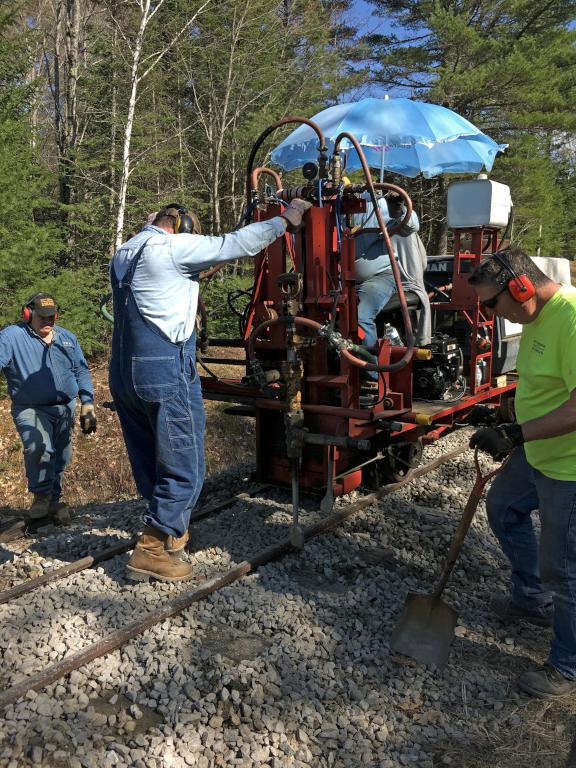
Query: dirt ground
(100, 470)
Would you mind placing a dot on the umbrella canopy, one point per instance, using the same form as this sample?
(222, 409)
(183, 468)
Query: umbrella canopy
(401, 135)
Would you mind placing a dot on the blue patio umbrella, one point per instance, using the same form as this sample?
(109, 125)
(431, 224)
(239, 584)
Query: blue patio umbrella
(401, 135)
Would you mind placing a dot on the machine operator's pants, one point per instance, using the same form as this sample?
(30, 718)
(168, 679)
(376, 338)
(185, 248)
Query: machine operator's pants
(543, 572)
(373, 295)
(46, 434)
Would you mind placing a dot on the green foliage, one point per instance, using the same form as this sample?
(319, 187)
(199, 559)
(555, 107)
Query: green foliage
(506, 65)
(242, 66)
(79, 293)
(224, 291)
(30, 239)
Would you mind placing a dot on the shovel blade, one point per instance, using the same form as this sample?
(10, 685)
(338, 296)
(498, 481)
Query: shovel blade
(425, 630)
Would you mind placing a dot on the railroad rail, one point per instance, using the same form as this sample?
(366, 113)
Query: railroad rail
(187, 598)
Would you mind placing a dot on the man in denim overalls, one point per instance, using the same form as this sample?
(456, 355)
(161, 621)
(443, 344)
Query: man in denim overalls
(153, 376)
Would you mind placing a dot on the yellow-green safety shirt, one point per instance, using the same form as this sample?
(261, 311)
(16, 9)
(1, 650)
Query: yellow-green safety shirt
(546, 367)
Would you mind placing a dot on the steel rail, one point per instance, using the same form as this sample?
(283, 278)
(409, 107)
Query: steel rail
(117, 549)
(184, 600)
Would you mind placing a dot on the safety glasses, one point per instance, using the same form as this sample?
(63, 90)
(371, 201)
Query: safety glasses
(493, 300)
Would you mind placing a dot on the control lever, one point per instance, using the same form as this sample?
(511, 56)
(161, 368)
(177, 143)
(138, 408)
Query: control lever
(296, 534)
(328, 501)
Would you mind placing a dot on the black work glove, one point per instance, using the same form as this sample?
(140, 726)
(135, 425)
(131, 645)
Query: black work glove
(294, 212)
(498, 441)
(87, 418)
(482, 416)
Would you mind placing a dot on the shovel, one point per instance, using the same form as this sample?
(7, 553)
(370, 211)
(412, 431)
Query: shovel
(426, 627)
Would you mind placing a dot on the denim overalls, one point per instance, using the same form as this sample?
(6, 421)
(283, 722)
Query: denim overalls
(159, 402)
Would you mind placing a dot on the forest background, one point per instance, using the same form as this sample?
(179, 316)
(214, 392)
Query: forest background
(111, 108)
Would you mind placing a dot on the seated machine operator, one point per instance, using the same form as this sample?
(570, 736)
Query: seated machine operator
(376, 286)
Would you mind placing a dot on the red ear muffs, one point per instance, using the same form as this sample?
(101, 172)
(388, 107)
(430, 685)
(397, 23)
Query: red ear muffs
(27, 313)
(520, 287)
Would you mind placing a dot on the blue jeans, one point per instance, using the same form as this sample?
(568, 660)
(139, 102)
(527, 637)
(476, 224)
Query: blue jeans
(373, 295)
(46, 434)
(542, 572)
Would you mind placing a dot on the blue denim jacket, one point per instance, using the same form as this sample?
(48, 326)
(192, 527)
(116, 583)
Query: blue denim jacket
(44, 374)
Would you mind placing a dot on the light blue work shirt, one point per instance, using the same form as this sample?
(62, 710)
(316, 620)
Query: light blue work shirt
(166, 278)
(371, 254)
(43, 374)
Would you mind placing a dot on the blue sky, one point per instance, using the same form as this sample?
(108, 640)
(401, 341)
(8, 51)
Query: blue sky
(362, 16)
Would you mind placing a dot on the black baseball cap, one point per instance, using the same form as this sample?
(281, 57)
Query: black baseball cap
(44, 304)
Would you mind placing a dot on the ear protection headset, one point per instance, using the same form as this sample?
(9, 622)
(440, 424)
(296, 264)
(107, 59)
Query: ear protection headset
(520, 287)
(185, 222)
(28, 308)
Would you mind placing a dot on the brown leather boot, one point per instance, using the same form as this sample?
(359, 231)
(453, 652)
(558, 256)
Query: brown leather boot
(40, 506)
(150, 558)
(177, 543)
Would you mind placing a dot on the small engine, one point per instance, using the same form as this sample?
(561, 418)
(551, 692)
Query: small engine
(432, 378)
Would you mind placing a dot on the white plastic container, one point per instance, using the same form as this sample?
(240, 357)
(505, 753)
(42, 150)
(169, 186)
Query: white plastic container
(557, 269)
(478, 203)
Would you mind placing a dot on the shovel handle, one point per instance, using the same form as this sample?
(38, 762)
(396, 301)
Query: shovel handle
(465, 521)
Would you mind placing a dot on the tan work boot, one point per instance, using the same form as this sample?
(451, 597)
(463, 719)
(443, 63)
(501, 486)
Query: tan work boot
(40, 506)
(150, 558)
(177, 543)
(61, 512)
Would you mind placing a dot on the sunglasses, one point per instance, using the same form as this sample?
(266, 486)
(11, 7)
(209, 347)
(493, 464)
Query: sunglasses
(493, 300)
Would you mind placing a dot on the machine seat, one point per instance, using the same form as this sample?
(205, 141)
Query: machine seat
(393, 305)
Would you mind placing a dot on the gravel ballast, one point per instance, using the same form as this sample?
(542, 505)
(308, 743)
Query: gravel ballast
(288, 667)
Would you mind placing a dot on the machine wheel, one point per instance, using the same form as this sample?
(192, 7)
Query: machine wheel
(400, 460)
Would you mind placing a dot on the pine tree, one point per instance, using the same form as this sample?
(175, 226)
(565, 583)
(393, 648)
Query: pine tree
(506, 65)
(30, 240)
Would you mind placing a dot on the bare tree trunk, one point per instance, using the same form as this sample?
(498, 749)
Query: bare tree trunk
(72, 37)
(440, 238)
(147, 13)
(67, 34)
(224, 119)
(113, 139)
(156, 153)
(125, 172)
(180, 147)
(56, 95)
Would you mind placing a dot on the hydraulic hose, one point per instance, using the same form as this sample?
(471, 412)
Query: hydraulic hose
(278, 321)
(254, 176)
(343, 346)
(406, 357)
(257, 144)
(104, 311)
(257, 172)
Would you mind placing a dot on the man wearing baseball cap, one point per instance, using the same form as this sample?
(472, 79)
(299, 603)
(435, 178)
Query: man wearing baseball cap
(45, 370)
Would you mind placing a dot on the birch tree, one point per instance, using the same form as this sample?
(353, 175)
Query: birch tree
(252, 62)
(140, 69)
